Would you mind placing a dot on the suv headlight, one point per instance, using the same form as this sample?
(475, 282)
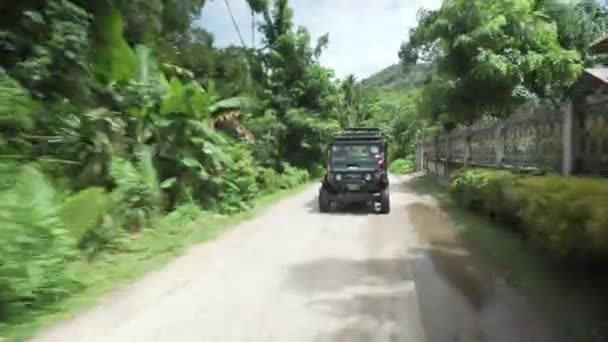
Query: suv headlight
(368, 177)
(338, 177)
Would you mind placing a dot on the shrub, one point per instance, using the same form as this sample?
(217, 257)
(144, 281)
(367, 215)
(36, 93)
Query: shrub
(271, 180)
(268, 179)
(239, 181)
(183, 214)
(486, 190)
(567, 216)
(317, 172)
(401, 166)
(137, 195)
(36, 246)
(93, 218)
(292, 176)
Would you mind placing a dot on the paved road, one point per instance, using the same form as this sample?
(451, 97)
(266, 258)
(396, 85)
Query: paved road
(293, 274)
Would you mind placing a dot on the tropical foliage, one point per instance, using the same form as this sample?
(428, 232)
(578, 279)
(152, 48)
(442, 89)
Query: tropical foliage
(489, 57)
(114, 113)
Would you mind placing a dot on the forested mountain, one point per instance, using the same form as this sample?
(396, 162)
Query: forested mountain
(399, 77)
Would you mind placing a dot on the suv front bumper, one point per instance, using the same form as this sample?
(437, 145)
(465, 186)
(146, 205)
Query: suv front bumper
(367, 192)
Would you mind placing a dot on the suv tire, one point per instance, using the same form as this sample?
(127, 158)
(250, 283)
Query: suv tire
(324, 202)
(385, 202)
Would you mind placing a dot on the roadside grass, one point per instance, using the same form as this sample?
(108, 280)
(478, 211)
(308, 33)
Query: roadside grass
(574, 299)
(149, 250)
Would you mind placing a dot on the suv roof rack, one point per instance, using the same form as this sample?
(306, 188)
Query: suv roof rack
(360, 134)
(363, 129)
(358, 138)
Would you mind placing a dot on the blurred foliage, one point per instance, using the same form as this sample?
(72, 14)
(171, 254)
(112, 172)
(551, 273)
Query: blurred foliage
(120, 102)
(36, 246)
(16, 105)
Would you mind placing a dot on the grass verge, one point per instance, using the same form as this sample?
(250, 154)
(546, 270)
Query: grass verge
(573, 299)
(149, 250)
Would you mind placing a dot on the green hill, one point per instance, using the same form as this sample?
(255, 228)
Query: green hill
(398, 77)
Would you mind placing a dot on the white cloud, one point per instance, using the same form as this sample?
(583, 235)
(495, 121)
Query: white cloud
(364, 35)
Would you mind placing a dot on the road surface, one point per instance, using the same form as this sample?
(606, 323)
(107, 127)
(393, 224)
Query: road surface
(293, 274)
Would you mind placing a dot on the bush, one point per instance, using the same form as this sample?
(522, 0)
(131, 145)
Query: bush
(401, 166)
(567, 216)
(486, 190)
(137, 195)
(268, 179)
(239, 181)
(182, 215)
(36, 246)
(292, 176)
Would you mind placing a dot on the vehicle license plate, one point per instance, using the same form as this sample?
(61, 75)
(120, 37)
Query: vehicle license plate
(353, 187)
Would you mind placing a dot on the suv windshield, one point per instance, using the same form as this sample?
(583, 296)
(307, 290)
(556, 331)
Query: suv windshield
(355, 154)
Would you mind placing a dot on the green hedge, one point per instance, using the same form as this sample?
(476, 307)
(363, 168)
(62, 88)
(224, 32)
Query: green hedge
(401, 166)
(568, 216)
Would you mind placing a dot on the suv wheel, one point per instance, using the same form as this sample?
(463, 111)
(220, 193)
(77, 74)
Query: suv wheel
(385, 202)
(324, 203)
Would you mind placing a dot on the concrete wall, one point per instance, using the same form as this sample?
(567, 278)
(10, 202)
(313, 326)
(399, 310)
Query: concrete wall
(539, 138)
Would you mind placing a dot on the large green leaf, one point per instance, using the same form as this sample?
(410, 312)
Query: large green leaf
(84, 211)
(198, 100)
(173, 100)
(189, 99)
(192, 163)
(232, 103)
(168, 183)
(16, 105)
(113, 59)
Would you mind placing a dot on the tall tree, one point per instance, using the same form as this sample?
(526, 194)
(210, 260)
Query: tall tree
(300, 92)
(579, 23)
(351, 91)
(489, 57)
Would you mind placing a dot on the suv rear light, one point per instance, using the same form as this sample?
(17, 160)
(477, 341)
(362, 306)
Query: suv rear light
(378, 175)
(381, 165)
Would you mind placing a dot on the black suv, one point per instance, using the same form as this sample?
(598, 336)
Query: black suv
(356, 171)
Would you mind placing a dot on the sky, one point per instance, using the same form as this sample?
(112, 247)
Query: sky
(364, 35)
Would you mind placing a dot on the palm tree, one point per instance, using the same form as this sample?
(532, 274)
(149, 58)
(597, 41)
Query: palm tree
(351, 91)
